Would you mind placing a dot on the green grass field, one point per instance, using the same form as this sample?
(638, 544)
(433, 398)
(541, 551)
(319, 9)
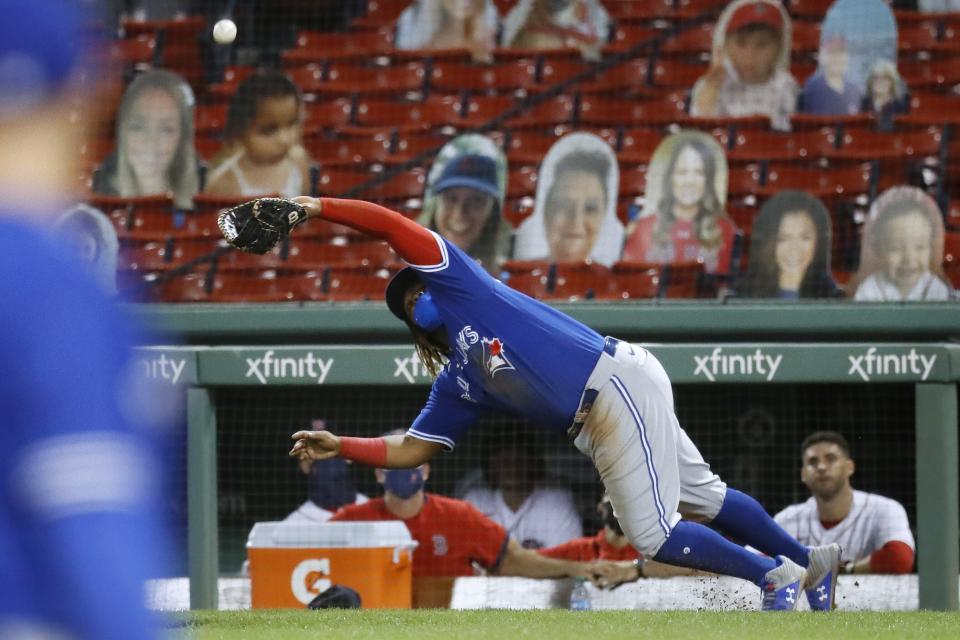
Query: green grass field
(560, 625)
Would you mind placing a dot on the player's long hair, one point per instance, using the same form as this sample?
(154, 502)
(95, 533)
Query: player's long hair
(763, 276)
(709, 209)
(430, 349)
(182, 172)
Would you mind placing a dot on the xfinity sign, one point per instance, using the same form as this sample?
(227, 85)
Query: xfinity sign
(269, 366)
(874, 364)
(720, 364)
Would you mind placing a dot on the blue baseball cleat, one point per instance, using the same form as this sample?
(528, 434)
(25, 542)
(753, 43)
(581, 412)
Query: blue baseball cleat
(782, 586)
(821, 587)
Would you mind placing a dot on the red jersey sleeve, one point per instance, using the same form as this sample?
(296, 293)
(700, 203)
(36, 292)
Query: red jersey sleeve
(415, 244)
(371, 510)
(893, 557)
(485, 540)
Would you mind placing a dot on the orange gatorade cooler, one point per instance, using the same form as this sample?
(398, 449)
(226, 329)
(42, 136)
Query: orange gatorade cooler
(291, 563)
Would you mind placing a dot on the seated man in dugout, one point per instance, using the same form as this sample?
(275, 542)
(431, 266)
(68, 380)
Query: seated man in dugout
(872, 529)
(455, 539)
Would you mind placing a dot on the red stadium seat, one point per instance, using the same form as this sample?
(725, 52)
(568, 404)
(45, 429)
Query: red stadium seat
(806, 39)
(309, 78)
(579, 281)
(310, 255)
(504, 78)
(810, 121)
(552, 114)
(433, 113)
(319, 47)
(753, 145)
(637, 146)
(931, 109)
(233, 75)
(210, 119)
(147, 256)
(349, 152)
(349, 79)
(600, 111)
(137, 51)
(940, 74)
(483, 108)
(235, 260)
(146, 217)
(676, 74)
(349, 284)
(191, 287)
(181, 44)
(381, 13)
(693, 41)
(636, 280)
(525, 267)
(522, 182)
(742, 181)
(534, 285)
(872, 145)
(326, 116)
(528, 147)
(633, 183)
(336, 182)
(847, 182)
(627, 36)
(627, 78)
(809, 9)
(417, 144)
(265, 286)
(686, 9)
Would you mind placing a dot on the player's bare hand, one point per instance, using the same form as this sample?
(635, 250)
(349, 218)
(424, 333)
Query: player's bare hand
(612, 574)
(314, 206)
(602, 573)
(315, 445)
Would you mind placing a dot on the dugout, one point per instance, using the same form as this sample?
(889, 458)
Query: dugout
(750, 380)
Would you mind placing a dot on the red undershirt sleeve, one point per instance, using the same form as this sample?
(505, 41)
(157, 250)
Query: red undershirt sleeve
(412, 242)
(893, 557)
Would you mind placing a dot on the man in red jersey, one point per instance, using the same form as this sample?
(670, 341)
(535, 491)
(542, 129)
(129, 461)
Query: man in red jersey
(455, 539)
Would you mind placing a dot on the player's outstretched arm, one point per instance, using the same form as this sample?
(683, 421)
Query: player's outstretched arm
(387, 452)
(518, 561)
(412, 242)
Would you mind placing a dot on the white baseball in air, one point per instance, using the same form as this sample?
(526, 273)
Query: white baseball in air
(225, 31)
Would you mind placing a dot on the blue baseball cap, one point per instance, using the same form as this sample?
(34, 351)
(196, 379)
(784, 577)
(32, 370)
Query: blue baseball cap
(41, 47)
(470, 170)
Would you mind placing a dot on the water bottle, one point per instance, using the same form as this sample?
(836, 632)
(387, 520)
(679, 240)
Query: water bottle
(580, 597)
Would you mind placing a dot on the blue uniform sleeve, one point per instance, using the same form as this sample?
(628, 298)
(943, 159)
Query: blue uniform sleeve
(80, 478)
(457, 277)
(446, 416)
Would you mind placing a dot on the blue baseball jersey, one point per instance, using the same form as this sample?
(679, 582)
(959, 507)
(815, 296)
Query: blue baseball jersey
(509, 353)
(79, 532)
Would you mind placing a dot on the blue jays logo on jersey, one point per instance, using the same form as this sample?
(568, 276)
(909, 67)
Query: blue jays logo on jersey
(494, 357)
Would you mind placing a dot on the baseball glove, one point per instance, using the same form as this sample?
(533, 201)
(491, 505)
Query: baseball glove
(257, 226)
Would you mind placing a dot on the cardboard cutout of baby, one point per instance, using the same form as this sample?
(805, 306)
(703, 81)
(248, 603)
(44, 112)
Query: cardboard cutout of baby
(684, 217)
(901, 255)
(855, 36)
(464, 198)
(575, 214)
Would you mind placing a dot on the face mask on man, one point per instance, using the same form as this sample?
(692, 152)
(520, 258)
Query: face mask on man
(425, 313)
(403, 483)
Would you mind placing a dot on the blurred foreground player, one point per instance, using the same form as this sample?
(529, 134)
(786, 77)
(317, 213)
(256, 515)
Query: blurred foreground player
(494, 349)
(77, 476)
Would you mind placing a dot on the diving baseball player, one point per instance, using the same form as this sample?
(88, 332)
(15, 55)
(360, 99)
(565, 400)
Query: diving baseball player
(493, 349)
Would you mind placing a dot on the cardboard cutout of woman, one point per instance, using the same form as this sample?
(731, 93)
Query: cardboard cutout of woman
(886, 94)
(155, 153)
(684, 217)
(464, 198)
(575, 214)
(552, 24)
(790, 250)
(450, 24)
(854, 36)
(901, 256)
